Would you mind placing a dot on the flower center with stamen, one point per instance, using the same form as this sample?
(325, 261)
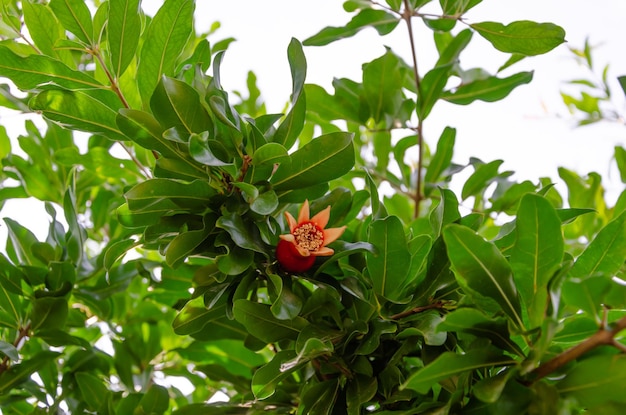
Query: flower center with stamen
(309, 236)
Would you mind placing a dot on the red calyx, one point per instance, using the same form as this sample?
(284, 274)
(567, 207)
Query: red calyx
(290, 259)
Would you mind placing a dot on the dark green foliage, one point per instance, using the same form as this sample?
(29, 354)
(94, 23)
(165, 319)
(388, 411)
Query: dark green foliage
(158, 284)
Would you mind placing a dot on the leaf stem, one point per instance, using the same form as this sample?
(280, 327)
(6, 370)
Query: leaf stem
(419, 131)
(605, 336)
(438, 305)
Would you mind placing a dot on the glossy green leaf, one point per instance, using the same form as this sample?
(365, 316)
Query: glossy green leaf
(243, 233)
(596, 380)
(92, 111)
(8, 350)
(442, 158)
(267, 377)
(480, 179)
(261, 323)
(457, 7)
(18, 373)
(447, 211)
(288, 131)
(382, 85)
(605, 254)
(490, 89)
(49, 313)
(123, 30)
(361, 390)
(176, 104)
(155, 402)
(449, 364)
(380, 20)
(537, 253)
(36, 70)
(19, 243)
(93, 390)
(287, 305)
(431, 87)
(523, 37)
(321, 160)
(43, 26)
(475, 322)
(320, 397)
(193, 319)
(164, 41)
(270, 153)
(74, 15)
(186, 195)
(480, 268)
(185, 243)
(387, 268)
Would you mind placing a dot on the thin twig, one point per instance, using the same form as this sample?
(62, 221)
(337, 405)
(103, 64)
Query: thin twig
(416, 310)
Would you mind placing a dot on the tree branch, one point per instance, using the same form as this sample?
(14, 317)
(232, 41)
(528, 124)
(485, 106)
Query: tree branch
(406, 16)
(22, 333)
(603, 337)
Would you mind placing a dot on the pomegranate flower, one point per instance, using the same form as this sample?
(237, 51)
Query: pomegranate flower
(296, 251)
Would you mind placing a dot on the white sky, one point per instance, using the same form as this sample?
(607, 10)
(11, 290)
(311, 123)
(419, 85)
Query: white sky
(523, 129)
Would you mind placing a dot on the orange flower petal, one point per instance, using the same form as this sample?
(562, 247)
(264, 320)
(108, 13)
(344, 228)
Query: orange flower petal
(291, 221)
(321, 219)
(303, 216)
(332, 234)
(288, 237)
(324, 251)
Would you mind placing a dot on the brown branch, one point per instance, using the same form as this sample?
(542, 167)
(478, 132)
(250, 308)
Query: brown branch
(603, 337)
(438, 305)
(22, 333)
(406, 16)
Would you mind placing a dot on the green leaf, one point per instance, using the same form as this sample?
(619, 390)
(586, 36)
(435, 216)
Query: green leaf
(176, 104)
(270, 153)
(480, 268)
(261, 323)
(155, 402)
(193, 319)
(33, 71)
(93, 111)
(123, 30)
(267, 377)
(472, 321)
(480, 179)
(383, 79)
(49, 313)
(43, 26)
(537, 253)
(596, 380)
(442, 158)
(622, 83)
(185, 243)
(605, 254)
(457, 7)
(380, 20)
(9, 350)
(163, 43)
(287, 305)
(387, 268)
(92, 389)
(447, 211)
(321, 160)
(143, 129)
(288, 131)
(449, 364)
(19, 373)
(361, 389)
(148, 193)
(74, 15)
(523, 37)
(19, 243)
(490, 89)
(431, 87)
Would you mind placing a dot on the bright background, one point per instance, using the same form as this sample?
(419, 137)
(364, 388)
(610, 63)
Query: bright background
(531, 129)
